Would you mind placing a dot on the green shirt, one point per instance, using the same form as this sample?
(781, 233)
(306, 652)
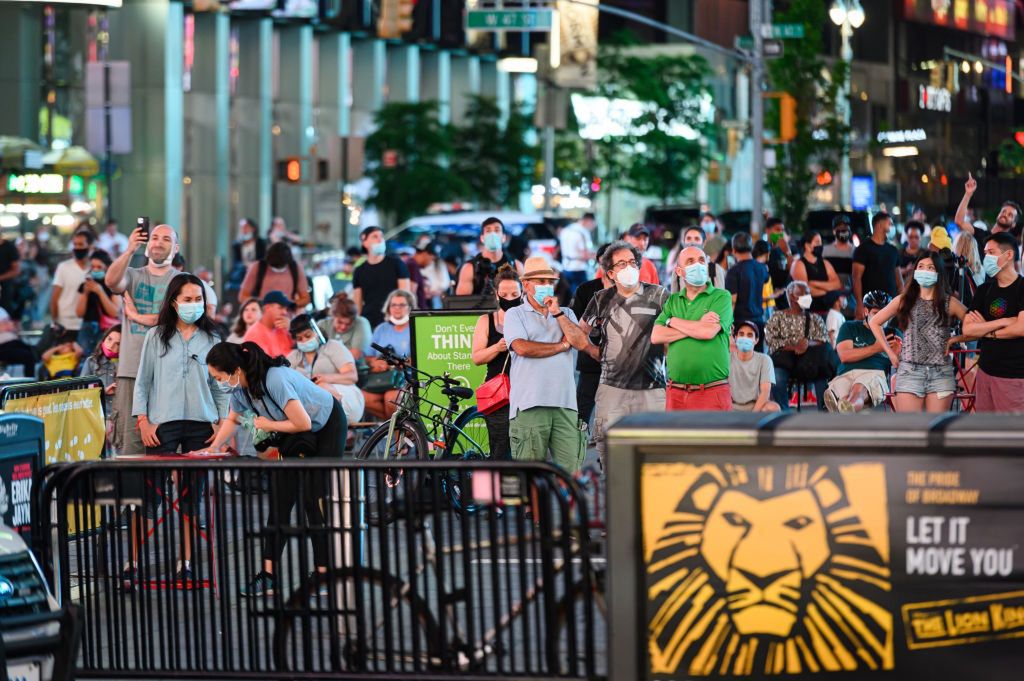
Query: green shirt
(691, 360)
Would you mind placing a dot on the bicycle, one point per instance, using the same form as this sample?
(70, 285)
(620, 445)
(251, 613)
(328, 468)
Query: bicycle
(369, 619)
(421, 429)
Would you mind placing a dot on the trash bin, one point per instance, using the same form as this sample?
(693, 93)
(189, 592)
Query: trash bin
(880, 545)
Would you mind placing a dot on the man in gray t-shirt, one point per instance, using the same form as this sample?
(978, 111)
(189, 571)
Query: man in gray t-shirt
(751, 374)
(143, 289)
(632, 368)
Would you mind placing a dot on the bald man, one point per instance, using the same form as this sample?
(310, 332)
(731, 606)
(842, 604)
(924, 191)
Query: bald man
(695, 323)
(143, 289)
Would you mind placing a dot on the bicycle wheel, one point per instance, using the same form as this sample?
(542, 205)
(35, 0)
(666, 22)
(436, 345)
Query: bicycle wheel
(384, 489)
(356, 621)
(468, 443)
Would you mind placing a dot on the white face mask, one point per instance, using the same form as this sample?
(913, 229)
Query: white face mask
(804, 301)
(399, 321)
(628, 277)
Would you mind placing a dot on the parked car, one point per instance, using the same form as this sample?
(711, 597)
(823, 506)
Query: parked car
(39, 637)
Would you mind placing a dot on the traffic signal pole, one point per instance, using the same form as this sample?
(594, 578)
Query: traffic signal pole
(759, 10)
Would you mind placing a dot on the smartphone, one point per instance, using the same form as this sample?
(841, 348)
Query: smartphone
(143, 224)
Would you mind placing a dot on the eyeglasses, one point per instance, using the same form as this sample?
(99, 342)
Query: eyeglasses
(618, 266)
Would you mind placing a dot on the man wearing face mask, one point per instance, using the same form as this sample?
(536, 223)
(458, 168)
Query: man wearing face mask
(695, 324)
(839, 253)
(277, 272)
(862, 380)
(543, 338)
(67, 279)
(997, 318)
(143, 289)
(377, 276)
(691, 236)
(745, 282)
(751, 374)
(876, 262)
(477, 274)
(631, 380)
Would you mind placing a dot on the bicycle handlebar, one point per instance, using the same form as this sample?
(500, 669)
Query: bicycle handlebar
(389, 355)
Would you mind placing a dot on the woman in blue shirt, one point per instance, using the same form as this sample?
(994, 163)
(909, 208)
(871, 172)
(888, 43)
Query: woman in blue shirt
(177, 405)
(394, 332)
(309, 423)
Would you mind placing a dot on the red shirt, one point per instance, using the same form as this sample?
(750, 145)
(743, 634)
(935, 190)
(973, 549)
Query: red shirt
(274, 341)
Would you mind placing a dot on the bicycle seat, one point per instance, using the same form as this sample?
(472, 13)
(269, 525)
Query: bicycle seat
(458, 392)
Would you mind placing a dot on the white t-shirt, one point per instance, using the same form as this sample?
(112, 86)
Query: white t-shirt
(833, 321)
(69, 276)
(114, 245)
(575, 242)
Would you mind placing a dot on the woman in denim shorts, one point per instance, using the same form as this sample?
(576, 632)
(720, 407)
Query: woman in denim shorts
(926, 313)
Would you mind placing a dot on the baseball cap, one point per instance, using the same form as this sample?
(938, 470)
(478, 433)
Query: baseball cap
(277, 298)
(638, 229)
(753, 326)
(428, 247)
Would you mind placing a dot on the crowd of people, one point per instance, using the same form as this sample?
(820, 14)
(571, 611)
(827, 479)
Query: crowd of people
(843, 321)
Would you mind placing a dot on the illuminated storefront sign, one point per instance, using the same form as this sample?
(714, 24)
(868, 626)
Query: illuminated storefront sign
(48, 183)
(994, 18)
(931, 98)
(901, 136)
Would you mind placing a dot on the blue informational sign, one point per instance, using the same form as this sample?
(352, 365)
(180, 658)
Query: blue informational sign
(862, 192)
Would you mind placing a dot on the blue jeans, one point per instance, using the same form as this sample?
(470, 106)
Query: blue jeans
(780, 391)
(88, 336)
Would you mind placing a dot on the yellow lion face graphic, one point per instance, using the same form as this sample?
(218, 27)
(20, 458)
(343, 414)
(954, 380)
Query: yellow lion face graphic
(767, 573)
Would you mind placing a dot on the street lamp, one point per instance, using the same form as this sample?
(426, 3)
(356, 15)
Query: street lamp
(847, 15)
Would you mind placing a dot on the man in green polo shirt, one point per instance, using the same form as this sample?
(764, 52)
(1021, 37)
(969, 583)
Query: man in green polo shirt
(695, 322)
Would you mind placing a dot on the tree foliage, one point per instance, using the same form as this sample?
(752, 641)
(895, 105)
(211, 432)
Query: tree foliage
(667, 149)
(420, 176)
(802, 73)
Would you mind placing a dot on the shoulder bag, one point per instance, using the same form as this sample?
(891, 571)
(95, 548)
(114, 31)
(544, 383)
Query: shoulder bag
(494, 394)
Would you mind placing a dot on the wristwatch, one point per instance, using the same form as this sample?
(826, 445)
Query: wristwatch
(558, 314)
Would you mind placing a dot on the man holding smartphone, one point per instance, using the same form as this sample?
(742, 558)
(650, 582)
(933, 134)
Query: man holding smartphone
(143, 289)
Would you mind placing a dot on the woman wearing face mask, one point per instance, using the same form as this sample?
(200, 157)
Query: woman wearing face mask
(327, 363)
(926, 314)
(490, 348)
(277, 272)
(177, 405)
(819, 274)
(310, 423)
(789, 335)
(98, 307)
(393, 332)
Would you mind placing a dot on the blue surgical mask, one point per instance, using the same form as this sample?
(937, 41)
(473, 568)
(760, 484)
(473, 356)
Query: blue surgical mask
(98, 275)
(542, 291)
(925, 278)
(696, 274)
(227, 386)
(744, 344)
(492, 242)
(308, 346)
(190, 312)
(708, 226)
(991, 265)
(379, 248)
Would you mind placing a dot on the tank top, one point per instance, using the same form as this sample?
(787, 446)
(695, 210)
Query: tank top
(816, 272)
(484, 271)
(495, 366)
(924, 341)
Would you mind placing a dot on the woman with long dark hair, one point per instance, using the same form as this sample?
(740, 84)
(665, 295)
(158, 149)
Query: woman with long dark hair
(309, 423)
(248, 314)
(816, 271)
(176, 403)
(926, 313)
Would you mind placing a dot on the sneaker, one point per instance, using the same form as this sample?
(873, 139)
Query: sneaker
(184, 574)
(846, 407)
(129, 578)
(262, 584)
(832, 402)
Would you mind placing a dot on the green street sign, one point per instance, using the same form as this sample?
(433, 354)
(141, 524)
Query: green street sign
(509, 19)
(785, 31)
(744, 42)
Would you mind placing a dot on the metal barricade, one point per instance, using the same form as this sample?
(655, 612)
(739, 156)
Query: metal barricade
(428, 570)
(19, 390)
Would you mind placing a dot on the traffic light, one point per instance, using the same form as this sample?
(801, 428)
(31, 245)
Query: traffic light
(289, 170)
(787, 117)
(395, 18)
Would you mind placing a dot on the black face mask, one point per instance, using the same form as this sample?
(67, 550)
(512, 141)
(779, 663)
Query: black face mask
(817, 251)
(506, 304)
(80, 253)
(842, 237)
